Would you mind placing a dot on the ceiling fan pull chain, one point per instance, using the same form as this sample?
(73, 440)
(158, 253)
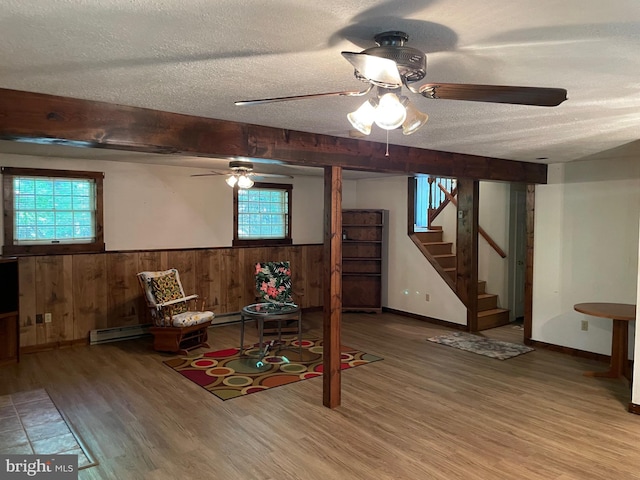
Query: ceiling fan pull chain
(387, 152)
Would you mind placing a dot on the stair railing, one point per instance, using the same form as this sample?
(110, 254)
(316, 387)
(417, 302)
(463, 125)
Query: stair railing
(481, 230)
(437, 198)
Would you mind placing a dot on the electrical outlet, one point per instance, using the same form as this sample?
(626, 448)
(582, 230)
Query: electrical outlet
(427, 297)
(584, 325)
(47, 318)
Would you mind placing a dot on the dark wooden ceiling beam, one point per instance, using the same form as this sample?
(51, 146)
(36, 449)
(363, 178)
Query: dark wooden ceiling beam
(28, 116)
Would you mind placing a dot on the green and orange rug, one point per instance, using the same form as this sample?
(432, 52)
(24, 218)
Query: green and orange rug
(227, 374)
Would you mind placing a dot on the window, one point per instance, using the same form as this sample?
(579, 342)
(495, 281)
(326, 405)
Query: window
(52, 211)
(262, 215)
(429, 197)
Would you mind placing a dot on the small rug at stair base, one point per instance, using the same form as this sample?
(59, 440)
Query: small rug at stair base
(227, 374)
(481, 345)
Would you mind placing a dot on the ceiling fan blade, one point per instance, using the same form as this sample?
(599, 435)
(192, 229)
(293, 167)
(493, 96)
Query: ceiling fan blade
(270, 175)
(346, 93)
(212, 173)
(376, 69)
(543, 97)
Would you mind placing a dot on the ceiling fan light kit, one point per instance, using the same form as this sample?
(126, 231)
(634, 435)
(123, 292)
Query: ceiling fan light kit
(244, 182)
(241, 174)
(391, 65)
(241, 179)
(389, 111)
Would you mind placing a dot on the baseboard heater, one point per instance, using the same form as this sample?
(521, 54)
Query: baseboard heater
(116, 334)
(226, 319)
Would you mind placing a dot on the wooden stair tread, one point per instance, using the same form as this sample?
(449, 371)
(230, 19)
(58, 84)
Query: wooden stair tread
(437, 244)
(429, 236)
(495, 317)
(438, 248)
(446, 260)
(493, 311)
(486, 295)
(487, 302)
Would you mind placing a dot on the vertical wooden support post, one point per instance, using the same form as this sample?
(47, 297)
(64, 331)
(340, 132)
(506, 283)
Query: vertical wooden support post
(467, 248)
(430, 180)
(528, 275)
(412, 188)
(332, 286)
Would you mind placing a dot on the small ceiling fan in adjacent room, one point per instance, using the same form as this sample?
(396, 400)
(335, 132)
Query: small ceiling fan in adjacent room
(390, 66)
(242, 174)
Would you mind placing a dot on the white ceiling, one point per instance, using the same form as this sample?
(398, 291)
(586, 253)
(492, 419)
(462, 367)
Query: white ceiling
(198, 56)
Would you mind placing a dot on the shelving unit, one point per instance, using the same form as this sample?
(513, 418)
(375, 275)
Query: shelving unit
(364, 256)
(9, 315)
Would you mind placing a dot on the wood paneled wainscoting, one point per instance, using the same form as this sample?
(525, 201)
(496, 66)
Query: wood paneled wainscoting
(84, 292)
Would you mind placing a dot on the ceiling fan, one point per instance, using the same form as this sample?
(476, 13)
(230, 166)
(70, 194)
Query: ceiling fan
(242, 174)
(391, 65)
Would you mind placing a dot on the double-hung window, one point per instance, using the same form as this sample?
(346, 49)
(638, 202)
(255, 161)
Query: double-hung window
(52, 211)
(262, 215)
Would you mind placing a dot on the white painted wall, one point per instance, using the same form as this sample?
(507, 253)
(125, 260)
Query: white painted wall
(410, 275)
(493, 217)
(161, 207)
(349, 194)
(586, 249)
(447, 219)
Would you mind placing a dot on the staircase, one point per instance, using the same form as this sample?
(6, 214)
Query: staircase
(489, 315)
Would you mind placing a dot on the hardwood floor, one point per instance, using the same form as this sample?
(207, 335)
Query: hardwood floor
(427, 411)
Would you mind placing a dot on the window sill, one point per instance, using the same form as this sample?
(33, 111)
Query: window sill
(53, 249)
(264, 242)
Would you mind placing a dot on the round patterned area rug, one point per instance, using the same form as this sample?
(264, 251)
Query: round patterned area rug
(228, 374)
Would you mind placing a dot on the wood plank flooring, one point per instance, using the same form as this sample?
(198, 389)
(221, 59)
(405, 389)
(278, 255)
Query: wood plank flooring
(427, 411)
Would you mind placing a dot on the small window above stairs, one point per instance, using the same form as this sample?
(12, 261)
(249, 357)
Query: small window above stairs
(489, 314)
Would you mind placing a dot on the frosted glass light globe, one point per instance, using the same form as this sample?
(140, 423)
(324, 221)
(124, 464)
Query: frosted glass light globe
(245, 182)
(390, 113)
(231, 180)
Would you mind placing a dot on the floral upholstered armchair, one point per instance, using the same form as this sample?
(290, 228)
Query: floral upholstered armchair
(273, 282)
(273, 285)
(178, 324)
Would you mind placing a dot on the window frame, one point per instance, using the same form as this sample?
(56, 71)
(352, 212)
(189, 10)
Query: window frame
(260, 242)
(10, 248)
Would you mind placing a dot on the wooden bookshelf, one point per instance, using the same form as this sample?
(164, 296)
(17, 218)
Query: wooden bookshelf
(364, 248)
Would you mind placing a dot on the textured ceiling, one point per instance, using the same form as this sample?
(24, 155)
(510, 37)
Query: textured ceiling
(198, 56)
